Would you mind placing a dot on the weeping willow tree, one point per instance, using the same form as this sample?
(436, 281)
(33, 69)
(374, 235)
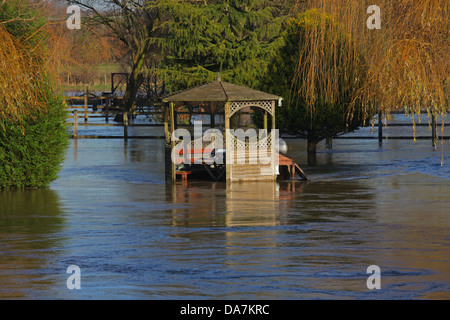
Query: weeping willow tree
(407, 59)
(317, 71)
(32, 119)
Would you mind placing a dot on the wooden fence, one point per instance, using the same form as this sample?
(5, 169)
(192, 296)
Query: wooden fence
(433, 136)
(106, 107)
(90, 106)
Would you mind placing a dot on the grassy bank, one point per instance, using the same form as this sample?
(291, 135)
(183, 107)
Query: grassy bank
(97, 78)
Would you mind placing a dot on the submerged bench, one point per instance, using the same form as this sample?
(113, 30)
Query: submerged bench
(184, 175)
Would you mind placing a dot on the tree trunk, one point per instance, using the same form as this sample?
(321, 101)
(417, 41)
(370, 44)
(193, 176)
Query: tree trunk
(312, 146)
(134, 82)
(245, 118)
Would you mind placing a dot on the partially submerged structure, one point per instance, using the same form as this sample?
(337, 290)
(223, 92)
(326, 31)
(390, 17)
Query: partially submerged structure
(228, 146)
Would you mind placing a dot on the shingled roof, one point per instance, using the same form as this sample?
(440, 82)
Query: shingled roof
(220, 91)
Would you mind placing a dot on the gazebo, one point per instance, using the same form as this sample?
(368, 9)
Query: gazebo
(248, 155)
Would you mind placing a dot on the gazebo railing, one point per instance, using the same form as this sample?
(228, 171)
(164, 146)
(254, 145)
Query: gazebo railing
(250, 151)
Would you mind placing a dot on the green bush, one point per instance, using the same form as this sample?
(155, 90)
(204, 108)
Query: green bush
(32, 149)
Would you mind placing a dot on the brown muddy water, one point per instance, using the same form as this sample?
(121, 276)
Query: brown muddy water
(111, 214)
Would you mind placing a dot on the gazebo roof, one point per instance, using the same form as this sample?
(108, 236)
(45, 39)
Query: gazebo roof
(220, 91)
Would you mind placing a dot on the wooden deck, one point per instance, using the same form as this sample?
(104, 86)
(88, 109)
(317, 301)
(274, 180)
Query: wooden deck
(293, 167)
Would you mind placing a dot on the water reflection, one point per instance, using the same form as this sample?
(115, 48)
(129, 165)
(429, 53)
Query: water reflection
(285, 234)
(197, 205)
(267, 203)
(252, 204)
(253, 211)
(30, 221)
(209, 204)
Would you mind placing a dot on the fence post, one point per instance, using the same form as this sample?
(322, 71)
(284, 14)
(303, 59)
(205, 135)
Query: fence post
(75, 124)
(86, 116)
(380, 128)
(106, 110)
(433, 130)
(125, 125)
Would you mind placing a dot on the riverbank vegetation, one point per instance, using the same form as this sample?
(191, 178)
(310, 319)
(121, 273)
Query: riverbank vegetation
(33, 134)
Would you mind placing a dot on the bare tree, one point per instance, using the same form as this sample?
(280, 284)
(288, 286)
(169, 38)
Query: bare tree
(133, 23)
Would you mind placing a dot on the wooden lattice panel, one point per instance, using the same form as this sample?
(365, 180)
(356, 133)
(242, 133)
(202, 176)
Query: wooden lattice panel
(238, 105)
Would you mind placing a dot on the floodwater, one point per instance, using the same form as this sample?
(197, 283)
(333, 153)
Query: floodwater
(134, 237)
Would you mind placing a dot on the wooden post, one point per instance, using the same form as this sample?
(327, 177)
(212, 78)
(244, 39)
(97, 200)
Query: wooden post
(273, 153)
(125, 125)
(228, 152)
(172, 143)
(166, 124)
(213, 120)
(86, 116)
(75, 124)
(265, 120)
(380, 128)
(433, 130)
(107, 105)
(213, 115)
(273, 115)
(75, 150)
(175, 120)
